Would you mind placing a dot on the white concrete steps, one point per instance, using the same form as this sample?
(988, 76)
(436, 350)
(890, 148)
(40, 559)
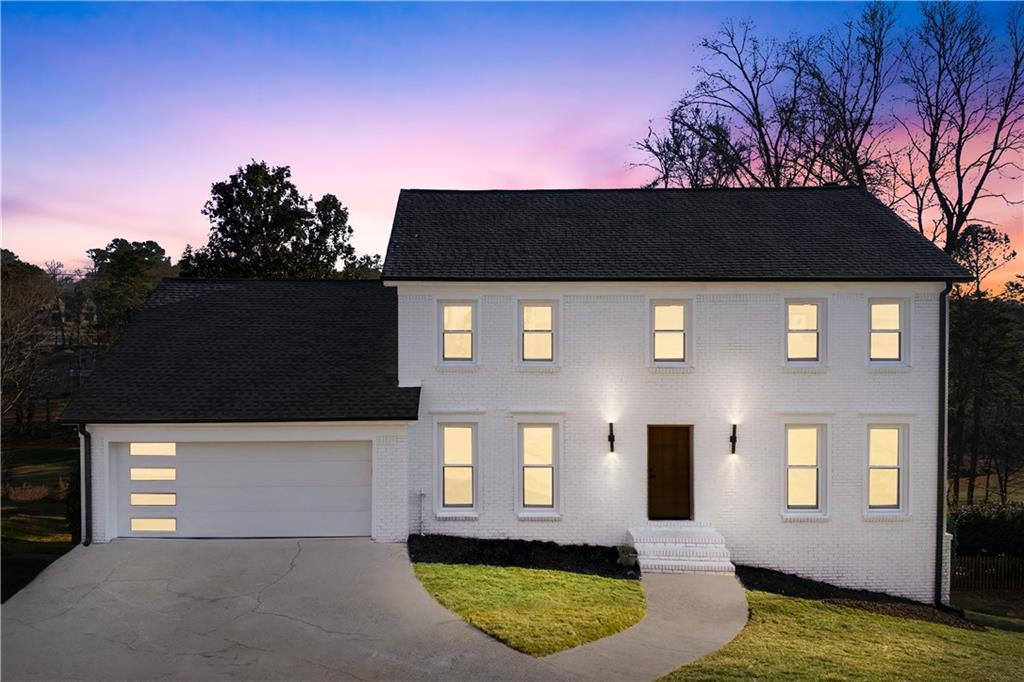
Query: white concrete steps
(688, 547)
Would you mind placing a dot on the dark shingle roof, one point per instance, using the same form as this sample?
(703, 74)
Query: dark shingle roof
(826, 233)
(253, 350)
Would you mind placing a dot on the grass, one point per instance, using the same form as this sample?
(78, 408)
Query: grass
(33, 528)
(536, 611)
(798, 639)
(34, 522)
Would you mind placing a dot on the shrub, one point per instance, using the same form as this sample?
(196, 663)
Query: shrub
(989, 529)
(25, 492)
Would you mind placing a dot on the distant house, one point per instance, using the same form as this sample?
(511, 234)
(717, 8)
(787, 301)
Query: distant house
(715, 376)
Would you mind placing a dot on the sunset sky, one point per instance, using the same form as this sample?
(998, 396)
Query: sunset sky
(118, 117)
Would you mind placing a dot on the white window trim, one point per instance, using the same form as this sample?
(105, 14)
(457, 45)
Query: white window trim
(904, 360)
(474, 332)
(539, 419)
(903, 510)
(822, 361)
(556, 333)
(688, 334)
(440, 510)
(824, 480)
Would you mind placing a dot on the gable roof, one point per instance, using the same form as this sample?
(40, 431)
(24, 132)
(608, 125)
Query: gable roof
(824, 233)
(253, 350)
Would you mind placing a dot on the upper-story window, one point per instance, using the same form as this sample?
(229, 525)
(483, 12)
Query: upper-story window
(537, 322)
(458, 343)
(668, 331)
(888, 333)
(804, 327)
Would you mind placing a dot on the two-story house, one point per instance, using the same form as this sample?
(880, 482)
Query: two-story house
(713, 376)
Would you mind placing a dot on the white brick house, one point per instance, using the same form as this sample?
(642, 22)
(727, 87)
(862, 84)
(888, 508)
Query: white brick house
(534, 327)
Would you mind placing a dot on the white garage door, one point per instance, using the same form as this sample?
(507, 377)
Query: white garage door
(204, 490)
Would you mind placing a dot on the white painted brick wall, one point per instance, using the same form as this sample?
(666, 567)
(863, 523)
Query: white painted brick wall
(738, 374)
(390, 506)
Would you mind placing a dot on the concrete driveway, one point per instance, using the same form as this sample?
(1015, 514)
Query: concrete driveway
(310, 609)
(252, 609)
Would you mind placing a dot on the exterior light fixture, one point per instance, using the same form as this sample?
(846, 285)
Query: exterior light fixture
(732, 440)
(611, 437)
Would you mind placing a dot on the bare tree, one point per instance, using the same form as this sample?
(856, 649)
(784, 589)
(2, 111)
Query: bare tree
(753, 89)
(25, 302)
(965, 124)
(849, 74)
(696, 150)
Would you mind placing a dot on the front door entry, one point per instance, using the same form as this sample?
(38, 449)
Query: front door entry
(668, 472)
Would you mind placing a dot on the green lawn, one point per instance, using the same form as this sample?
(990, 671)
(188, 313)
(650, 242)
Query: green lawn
(33, 526)
(535, 611)
(798, 639)
(34, 522)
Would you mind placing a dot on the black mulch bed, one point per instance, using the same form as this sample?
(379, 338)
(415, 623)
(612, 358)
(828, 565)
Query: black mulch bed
(589, 559)
(876, 602)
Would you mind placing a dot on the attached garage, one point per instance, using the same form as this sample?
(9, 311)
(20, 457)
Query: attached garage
(249, 409)
(244, 490)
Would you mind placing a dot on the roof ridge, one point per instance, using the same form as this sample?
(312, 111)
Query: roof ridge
(542, 190)
(243, 280)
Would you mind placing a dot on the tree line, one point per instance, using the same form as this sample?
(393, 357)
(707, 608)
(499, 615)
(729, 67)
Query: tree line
(53, 322)
(927, 119)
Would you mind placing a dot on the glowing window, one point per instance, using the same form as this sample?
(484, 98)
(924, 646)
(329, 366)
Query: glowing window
(803, 339)
(669, 332)
(457, 452)
(538, 332)
(457, 332)
(154, 525)
(537, 463)
(153, 474)
(803, 466)
(153, 499)
(886, 331)
(885, 459)
(153, 449)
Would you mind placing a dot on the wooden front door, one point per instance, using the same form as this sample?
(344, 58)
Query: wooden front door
(668, 472)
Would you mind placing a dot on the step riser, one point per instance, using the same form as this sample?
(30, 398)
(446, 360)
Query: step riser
(663, 566)
(683, 551)
(696, 538)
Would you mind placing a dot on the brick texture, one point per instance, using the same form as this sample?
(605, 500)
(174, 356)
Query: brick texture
(737, 374)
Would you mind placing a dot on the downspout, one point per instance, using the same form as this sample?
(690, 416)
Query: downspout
(940, 490)
(86, 478)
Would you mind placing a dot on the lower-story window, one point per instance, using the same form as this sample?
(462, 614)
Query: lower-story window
(458, 464)
(885, 463)
(537, 463)
(804, 465)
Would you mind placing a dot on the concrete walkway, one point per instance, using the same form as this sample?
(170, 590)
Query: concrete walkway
(688, 617)
(309, 609)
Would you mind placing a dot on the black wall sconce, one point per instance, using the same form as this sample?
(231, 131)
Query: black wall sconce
(732, 440)
(611, 437)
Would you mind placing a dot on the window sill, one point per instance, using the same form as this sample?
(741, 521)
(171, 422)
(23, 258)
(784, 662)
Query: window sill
(809, 368)
(888, 515)
(810, 517)
(539, 516)
(456, 516)
(539, 369)
(670, 368)
(895, 368)
(456, 368)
